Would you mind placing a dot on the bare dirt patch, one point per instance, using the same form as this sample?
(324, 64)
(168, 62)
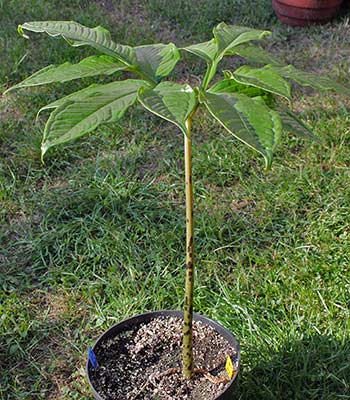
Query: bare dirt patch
(9, 110)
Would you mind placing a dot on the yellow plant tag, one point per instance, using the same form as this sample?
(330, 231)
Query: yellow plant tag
(229, 367)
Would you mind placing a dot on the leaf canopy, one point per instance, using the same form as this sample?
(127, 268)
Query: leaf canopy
(82, 113)
(250, 121)
(242, 102)
(170, 101)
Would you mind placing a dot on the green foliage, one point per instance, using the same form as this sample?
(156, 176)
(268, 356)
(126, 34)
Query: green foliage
(268, 80)
(170, 101)
(256, 125)
(90, 66)
(229, 85)
(303, 78)
(242, 102)
(153, 61)
(78, 35)
(253, 53)
(79, 115)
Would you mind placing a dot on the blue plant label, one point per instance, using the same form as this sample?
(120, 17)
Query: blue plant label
(92, 358)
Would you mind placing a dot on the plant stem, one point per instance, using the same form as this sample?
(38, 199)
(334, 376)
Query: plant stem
(187, 351)
(209, 74)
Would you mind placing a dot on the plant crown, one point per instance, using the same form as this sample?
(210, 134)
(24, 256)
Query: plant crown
(243, 101)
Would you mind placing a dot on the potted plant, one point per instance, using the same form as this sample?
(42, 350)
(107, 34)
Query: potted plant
(306, 12)
(252, 104)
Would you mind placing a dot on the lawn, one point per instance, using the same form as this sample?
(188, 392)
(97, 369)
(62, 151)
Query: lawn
(97, 233)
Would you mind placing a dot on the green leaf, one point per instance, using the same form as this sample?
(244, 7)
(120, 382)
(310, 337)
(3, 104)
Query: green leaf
(248, 120)
(232, 86)
(230, 36)
(292, 124)
(80, 94)
(206, 50)
(90, 66)
(226, 86)
(158, 60)
(229, 85)
(308, 79)
(83, 113)
(266, 79)
(170, 101)
(78, 35)
(226, 38)
(253, 53)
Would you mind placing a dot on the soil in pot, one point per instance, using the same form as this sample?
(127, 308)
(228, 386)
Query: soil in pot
(145, 363)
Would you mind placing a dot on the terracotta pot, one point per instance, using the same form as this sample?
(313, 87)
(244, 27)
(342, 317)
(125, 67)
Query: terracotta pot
(306, 12)
(134, 321)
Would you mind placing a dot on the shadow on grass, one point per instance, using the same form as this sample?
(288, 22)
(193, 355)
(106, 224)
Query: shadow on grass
(316, 367)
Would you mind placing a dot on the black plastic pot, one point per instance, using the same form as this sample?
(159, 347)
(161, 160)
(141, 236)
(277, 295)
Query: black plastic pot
(147, 317)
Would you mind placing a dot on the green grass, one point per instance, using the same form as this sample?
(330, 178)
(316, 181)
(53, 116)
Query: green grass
(97, 234)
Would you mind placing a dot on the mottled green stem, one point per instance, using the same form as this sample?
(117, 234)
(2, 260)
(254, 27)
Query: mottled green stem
(188, 366)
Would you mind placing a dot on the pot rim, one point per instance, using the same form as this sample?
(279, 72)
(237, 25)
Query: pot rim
(145, 317)
(312, 4)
